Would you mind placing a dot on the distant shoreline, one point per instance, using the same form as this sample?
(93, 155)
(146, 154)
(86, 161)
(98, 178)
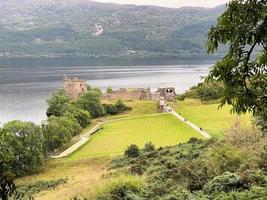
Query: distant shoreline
(105, 61)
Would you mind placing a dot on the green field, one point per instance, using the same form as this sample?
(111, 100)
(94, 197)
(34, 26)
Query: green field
(161, 130)
(139, 108)
(215, 121)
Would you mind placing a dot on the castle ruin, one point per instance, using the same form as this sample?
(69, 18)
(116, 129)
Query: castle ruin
(74, 87)
(128, 94)
(167, 94)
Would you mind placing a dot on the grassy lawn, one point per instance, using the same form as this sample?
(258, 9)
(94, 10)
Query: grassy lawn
(215, 121)
(138, 108)
(161, 130)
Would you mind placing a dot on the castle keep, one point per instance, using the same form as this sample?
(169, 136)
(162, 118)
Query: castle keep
(74, 87)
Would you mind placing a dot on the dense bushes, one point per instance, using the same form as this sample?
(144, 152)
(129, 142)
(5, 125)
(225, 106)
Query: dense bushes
(58, 131)
(90, 101)
(132, 151)
(122, 188)
(116, 108)
(57, 103)
(205, 91)
(82, 116)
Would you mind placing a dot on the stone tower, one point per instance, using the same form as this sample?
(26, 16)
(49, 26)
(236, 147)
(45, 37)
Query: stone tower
(74, 87)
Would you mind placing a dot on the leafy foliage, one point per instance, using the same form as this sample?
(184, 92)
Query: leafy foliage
(132, 151)
(24, 149)
(57, 103)
(243, 70)
(122, 188)
(149, 147)
(118, 107)
(90, 101)
(58, 131)
(205, 91)
(224, 183)
(82, 116)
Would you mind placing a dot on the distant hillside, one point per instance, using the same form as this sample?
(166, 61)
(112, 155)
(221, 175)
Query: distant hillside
(86, 28)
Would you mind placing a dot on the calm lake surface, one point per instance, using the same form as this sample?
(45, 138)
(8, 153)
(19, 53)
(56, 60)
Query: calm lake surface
(26, 84)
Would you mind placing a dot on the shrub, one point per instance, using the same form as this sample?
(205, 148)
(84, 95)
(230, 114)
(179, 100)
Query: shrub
(110, 109)
(40, 186)
(137, 169)
(253, 177)
(149, 147)
(222, 158)
(132, 151)
(180, 97)
(109, 90)
(224, 183)
(122, 188)
(121, 107)
(209, 91)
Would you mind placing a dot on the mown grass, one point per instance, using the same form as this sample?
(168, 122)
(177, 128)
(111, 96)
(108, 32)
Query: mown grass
(113, 139)
(213, 119)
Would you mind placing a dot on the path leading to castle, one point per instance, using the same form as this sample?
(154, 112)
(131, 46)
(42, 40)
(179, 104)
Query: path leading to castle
(192, 125)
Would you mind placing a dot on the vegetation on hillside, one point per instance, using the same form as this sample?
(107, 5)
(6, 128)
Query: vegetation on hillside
(205, 91)
(67, 29)
(233, 168)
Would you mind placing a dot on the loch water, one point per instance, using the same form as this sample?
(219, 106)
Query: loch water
(26, 83)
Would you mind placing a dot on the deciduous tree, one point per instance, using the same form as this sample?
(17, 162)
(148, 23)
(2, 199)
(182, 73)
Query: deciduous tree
(243, 70)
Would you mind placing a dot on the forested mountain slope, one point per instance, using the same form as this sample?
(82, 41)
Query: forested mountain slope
(86, 28)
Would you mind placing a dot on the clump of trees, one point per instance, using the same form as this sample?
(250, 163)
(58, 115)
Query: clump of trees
(204, 91)
(116, 108)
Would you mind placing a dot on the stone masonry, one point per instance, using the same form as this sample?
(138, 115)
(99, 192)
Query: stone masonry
(74, 87)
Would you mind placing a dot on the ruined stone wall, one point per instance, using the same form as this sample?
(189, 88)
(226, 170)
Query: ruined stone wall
(74, 87)
(123, 94)
(167, 93)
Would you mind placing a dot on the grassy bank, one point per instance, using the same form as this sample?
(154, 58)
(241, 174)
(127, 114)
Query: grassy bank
(213, 119)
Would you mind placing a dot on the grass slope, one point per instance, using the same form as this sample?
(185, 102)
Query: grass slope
(82, 176)
(215, 121)
(161, 130)
(139, 108)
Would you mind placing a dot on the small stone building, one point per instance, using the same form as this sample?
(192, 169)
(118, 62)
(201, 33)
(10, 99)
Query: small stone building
(74, 87)
(128, 94)
(167, 93)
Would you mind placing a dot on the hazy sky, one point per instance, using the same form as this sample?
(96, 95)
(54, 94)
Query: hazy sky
(170, 3)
